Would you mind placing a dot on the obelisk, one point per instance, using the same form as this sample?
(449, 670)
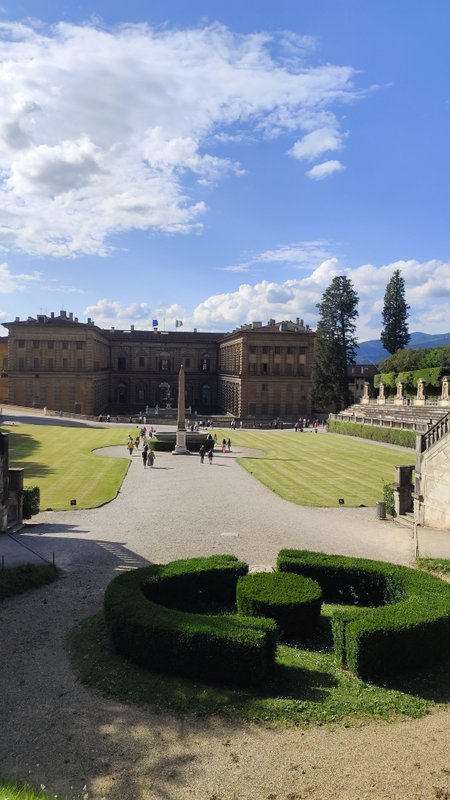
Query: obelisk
(180, 446)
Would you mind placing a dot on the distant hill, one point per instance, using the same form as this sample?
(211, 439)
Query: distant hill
(372, 352)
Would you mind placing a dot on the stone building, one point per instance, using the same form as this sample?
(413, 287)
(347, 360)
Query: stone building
(261, 371)
(3, 370)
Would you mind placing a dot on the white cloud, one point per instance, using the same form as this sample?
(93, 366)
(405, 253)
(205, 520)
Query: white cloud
(324, 170)
(300, 253)
(316, 143)
(297, 297)
(235, 268)
(101, 130)
(10, 282)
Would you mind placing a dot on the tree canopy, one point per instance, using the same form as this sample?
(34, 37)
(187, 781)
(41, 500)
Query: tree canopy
(395, 335)
(335, 345)
(404, 360)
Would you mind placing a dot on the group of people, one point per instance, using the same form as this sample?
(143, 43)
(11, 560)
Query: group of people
(148, 453)
(208, 448)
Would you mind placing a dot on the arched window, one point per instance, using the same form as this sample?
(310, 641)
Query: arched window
(206, 362)
(121, 363)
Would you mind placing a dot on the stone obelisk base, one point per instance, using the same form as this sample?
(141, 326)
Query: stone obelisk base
(180, 446)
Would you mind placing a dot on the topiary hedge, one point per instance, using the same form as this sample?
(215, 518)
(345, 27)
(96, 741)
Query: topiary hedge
(31, 501)
(373, 432)
(294, 602)
(408, 625)
(150, 621)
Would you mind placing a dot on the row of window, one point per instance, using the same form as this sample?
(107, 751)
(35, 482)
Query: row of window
(39, 364)
(278, 350)
(164, 364)
(49, 344)
(275, 369)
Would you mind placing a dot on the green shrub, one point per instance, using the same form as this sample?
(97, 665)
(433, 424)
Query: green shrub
(31, 501)
(373, 432)
(408, 625)
(294, 602)
(388, 497)
(17, 580)
(164, 638)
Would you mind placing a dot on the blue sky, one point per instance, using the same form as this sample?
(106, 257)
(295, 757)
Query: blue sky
(220, 162)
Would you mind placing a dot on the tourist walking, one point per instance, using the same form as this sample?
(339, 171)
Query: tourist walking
(210, 456)
(202, 453)
(151, 457)
(145, 455)
(224, 445)
(229, 445)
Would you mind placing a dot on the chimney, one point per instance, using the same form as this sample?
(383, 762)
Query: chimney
(132, 328)
(89, 320)
(70, 315)
(52, 314)
(63, 314)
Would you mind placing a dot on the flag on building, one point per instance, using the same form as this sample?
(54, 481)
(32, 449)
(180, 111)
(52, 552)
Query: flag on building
(155, 323)
(178, 323)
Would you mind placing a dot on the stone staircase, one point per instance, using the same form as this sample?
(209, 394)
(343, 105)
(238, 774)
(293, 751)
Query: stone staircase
(405, 417)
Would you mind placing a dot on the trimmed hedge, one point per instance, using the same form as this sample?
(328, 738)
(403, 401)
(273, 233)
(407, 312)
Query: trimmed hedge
(408, 625)
(294, 602)
(31, 501)
(17, 580)
(373, 432)
(146, 630)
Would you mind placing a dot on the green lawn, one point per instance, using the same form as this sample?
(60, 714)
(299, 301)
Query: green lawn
(60, 461)
(305, 468)
(317, 469)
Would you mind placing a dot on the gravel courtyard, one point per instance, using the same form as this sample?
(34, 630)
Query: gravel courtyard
(60, 734)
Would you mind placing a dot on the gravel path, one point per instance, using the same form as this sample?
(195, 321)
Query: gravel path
(58, 733)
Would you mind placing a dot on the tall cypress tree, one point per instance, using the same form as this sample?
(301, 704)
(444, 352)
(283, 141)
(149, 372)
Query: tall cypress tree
(335, 344)
(395, 335)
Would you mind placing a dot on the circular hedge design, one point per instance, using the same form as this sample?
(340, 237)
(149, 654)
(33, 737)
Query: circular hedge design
(151, 617)
(294, 602)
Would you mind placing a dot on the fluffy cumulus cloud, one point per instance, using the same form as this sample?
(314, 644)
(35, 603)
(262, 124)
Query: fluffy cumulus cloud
(321, 171)
(427, 292)
(103, 131)
(317, 142)
(113, 314)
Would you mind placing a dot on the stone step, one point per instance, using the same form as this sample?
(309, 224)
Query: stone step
(407, 520)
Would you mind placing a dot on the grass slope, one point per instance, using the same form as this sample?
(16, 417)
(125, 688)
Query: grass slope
(317, 469)
(60, 461)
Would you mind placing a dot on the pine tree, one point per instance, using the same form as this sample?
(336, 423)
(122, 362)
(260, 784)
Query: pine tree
(335, 344)
(394, 335)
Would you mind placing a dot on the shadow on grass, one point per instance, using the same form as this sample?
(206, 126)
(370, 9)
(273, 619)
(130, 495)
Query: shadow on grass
(21, 446)
(432, 684)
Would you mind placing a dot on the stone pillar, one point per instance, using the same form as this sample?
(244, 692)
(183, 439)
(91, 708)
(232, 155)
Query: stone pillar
(365, 398)
(180, 446)
(420, 399)
(15, 496)
(445, 399)
(399, 396)
(4, 482)
(381, 398)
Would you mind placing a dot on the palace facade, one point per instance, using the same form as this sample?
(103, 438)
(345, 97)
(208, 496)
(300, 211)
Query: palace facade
(260, 371)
